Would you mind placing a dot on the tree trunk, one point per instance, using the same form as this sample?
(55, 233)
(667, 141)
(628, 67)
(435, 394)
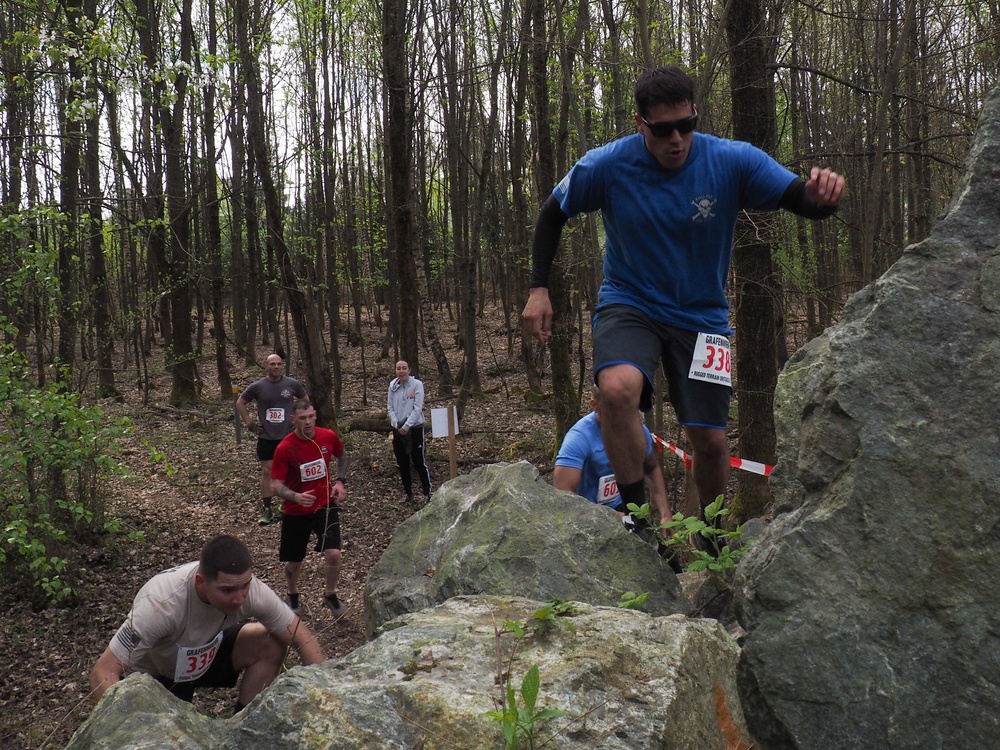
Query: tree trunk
(329, 234)
(531, 354)
(751, 51)
(399, 176)
(69, 201)
(184, 388)
(241, 290)
(213, 231)
(98, 268)
(565, 400)
(302, 303)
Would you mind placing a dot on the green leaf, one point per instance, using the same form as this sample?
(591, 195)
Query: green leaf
(529, 688)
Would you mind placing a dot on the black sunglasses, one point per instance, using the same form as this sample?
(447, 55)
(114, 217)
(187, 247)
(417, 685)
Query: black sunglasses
(666, 129)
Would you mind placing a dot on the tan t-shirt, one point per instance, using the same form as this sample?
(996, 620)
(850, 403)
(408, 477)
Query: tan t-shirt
(172, 633)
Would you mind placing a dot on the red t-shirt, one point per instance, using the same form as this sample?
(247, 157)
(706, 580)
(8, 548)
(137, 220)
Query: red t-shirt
(303, 465)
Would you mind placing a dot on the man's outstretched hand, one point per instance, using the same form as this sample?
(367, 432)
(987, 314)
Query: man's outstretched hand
(537, 314)
(825, 186)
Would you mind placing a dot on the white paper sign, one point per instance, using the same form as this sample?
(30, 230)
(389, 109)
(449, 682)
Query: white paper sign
(439, 422)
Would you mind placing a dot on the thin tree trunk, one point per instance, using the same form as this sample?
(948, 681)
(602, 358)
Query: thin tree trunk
(399, 176)
(69, 200)
(184, 388)
(98, 268)
(302, 304)
(329, 233)
(751, 51)
(213, 230)
(565, 400)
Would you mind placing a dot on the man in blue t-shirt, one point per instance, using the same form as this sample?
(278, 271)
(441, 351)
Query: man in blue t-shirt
(582, 466)
(669, 198)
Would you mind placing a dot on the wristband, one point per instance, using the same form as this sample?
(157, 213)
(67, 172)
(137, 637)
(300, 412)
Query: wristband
(342, 481)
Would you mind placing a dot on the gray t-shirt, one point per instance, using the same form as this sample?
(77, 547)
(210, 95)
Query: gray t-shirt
(172, 633)
(274, 404)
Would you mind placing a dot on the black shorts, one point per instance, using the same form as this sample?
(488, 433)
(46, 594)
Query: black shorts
(296, 530)
(220, 674)
(626, 335)
(266, 449)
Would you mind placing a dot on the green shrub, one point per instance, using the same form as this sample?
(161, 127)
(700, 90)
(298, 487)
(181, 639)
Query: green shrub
(55, 455)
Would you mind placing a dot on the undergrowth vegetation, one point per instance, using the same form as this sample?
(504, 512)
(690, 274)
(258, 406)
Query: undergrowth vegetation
(55, 454)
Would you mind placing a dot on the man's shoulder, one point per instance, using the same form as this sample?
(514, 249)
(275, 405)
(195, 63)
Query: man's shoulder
(621, 150)
(731, 151)
(180, 572)
(326, 435)
(583, 430)
(287, 381)
(167, 585)
(287, 443)
(254, 386)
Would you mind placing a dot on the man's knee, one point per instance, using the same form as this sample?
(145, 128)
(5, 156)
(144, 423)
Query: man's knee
(620, 387)
(708, 442)
(332, 556)
(255, 645)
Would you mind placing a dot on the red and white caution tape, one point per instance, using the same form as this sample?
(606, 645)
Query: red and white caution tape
(736, 463)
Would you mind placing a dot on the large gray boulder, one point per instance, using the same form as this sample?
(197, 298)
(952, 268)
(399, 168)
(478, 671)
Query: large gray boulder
(626, 680)
(871, 600)
(139, 714)
(502, 530)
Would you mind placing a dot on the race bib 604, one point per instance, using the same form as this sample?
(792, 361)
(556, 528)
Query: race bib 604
(607, 490)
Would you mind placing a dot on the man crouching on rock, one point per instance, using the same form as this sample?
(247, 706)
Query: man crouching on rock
(189, 628)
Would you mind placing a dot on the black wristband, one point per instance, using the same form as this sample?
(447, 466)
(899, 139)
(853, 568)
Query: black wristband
(342, 481)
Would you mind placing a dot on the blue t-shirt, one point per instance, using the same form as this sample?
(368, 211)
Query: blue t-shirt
(583, 449)
(669, 235)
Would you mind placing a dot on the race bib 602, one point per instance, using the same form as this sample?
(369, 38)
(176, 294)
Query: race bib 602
(313, 470)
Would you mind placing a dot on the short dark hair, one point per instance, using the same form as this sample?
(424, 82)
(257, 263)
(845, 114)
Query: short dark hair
(224, 554)
(301, 404)
(667, 85)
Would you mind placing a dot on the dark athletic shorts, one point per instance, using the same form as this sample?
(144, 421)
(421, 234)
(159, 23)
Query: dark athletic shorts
(266, 448)
(220, 674)
(296, 530)
(626, 335)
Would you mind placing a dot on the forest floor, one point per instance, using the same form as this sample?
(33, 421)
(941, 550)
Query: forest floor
(188, 480)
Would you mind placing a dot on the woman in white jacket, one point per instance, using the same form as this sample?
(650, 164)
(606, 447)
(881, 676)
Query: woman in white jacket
(406, 415)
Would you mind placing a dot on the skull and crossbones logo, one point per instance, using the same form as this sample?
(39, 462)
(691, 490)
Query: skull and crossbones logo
(704, 204)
